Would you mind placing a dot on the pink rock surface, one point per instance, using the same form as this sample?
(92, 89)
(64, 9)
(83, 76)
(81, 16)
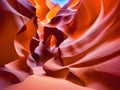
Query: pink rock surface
(48, 47)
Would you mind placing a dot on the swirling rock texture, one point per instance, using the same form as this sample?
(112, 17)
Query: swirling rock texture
(48, 47)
